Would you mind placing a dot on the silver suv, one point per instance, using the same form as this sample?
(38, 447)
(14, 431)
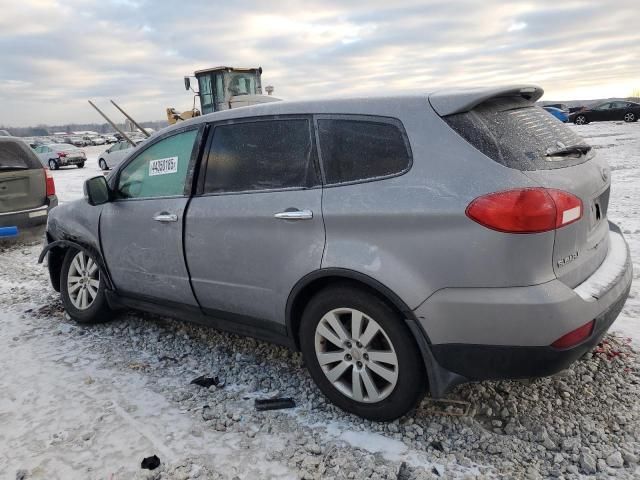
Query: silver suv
(400, 243)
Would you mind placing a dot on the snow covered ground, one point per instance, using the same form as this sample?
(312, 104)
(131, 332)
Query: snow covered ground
(91, 402)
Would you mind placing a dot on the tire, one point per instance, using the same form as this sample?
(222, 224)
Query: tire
(402, 386)
(53, 165)
(103, 164)
(96, 309)
(630, 117)
(580, 120)
(80, 165)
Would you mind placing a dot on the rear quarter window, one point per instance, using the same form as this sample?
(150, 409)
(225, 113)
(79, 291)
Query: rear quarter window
(359, 150)
(517, 134)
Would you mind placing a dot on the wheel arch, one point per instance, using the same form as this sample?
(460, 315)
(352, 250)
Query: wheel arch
(439, 379)
(319, 279)
(58, 249)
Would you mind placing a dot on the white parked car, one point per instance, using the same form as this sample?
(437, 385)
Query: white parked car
(113, 155)
(94, 140)
(56, 155)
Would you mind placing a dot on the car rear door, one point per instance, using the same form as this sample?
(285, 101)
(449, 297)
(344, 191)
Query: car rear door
(256, 227)
(141, 229)
(22, 178)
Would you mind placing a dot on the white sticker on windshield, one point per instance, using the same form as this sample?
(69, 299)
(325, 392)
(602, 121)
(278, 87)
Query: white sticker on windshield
(163, 166)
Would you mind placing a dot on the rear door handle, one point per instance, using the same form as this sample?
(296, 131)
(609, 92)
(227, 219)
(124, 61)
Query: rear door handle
(295, 215)
(165, 217)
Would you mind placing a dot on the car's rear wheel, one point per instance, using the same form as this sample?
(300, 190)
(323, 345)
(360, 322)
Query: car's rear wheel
(580, 120)
(361, 354)
(80, 165)
(103, 164)
(630, 117)
(53, 165)
(82, 288)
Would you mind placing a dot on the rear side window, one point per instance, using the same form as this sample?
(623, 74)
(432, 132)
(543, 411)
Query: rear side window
(16, 155)
(355, 150)
(261, 155)
(517, 134)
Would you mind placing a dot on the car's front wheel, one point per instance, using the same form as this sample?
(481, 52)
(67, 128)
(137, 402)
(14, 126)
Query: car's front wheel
(361, 354)
(53, 165)
(82, 288)
(580, 120)
(103, 164)
(630, 117)
(80, 165)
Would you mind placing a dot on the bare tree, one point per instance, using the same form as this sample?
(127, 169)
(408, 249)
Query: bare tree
(635, 95)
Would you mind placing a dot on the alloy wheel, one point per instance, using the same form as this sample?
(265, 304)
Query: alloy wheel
(580, 120)
(83, 281)
(629, 117)
(356, 355)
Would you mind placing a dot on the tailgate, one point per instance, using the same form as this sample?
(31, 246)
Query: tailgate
(22, 178)
(22, 190)
(506, 126)
(580, 247)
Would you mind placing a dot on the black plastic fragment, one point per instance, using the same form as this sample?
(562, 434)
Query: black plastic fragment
(150, 463)
(437, 445)
(274, 403)
(205, 382)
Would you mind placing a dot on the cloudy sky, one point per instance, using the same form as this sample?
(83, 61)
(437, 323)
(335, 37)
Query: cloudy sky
(54, 55)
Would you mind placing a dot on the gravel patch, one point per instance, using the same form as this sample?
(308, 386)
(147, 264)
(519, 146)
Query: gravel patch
(584, 421)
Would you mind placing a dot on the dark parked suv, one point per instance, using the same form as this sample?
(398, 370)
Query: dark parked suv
(401, 243)
(27, 192)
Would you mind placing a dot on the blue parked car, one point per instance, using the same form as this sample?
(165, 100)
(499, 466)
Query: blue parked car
(559, 114)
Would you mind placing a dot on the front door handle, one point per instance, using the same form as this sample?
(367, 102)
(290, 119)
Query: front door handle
(165, 217)
(295, 215)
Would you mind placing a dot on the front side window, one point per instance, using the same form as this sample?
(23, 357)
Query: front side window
(160, 170)
(261, 155)
(355, 150)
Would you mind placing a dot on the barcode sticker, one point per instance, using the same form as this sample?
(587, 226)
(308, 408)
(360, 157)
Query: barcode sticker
(163, 166)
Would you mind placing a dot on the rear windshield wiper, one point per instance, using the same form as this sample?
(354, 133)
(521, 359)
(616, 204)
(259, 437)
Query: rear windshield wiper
(581, 149)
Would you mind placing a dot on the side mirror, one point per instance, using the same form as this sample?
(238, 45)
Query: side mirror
(187, 83)
(96, 190)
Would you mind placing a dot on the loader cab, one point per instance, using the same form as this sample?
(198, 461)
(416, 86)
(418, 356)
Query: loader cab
(218, 85)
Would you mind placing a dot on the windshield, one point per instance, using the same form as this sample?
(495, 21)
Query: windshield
(242, 84)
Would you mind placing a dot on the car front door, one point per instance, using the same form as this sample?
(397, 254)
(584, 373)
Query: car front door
(600, 113)
(256, 226)
(141, 229)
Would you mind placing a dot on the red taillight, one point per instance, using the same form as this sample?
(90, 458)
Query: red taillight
(50, 184)
(61, 154)
(574, 337)
(525, 210)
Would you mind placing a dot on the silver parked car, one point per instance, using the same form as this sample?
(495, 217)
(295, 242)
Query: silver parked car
(56, 155)
(401, 243)
(113, 155)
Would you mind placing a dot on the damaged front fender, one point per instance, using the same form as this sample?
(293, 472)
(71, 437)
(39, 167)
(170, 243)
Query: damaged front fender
(55, 265)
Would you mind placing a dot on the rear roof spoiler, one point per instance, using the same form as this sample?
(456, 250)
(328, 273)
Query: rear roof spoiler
(450, 101)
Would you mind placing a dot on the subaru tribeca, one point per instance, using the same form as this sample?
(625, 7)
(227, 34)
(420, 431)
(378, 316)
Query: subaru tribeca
(401, 243)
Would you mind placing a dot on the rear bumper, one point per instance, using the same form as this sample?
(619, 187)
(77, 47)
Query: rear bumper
(493, 333)
(71, 161)
(29, 224)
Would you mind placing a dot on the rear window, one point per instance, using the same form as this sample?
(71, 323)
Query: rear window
(16, 155)
(517, 134)
(356, 150)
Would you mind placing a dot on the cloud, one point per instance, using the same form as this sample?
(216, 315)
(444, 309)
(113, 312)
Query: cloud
(55, 55)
